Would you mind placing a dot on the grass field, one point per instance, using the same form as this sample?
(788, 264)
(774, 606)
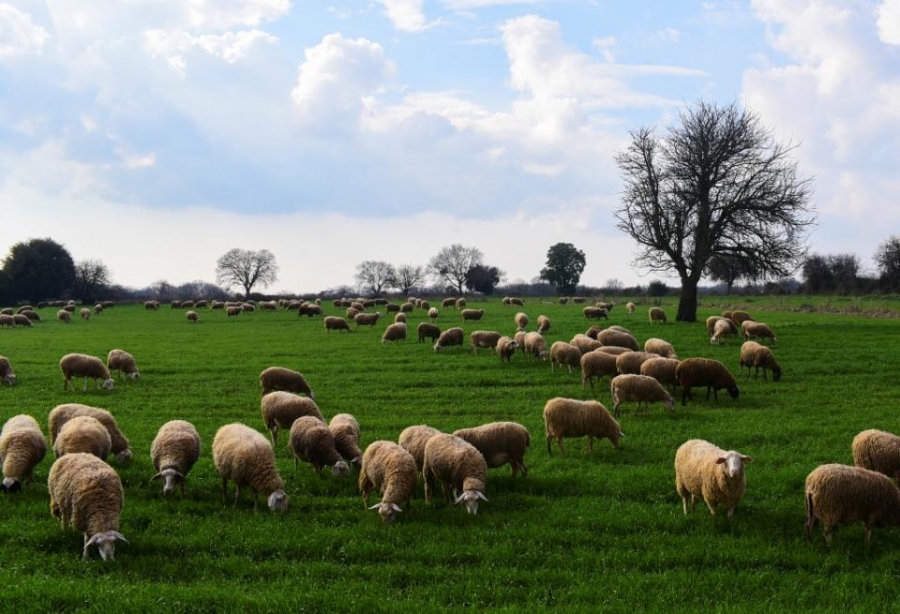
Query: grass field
(602, 531)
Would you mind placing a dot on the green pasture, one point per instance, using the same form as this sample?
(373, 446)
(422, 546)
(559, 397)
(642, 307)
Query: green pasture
(592, 532)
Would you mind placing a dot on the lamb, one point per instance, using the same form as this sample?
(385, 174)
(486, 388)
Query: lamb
(451, 336)
(6, 371)
(521, 320)
(500, 443)
(756, 355)
(506, 347)
(243, 455)
(471, 314)
(703, 469)
(173, 452)
(630, 362)
(661, 347)
(413, 440)
(483, 339)
(433, 313)
(641, 388)
(841, 493)
(597, 364)
(877, 451)
(536, 346)
(279, 410)
(22, 447)
(280, 378)
(191, 316)
(83, 434)
(61, 414)
(758, 330)
(657, 315)
(336, 323)
(584, 343)
(345, 430)
(85, 313)
(721, 328)
(594, 313)
(543, 324)
(704, 372)
(82, 365)
(123, 362)
(459, 466)
(662, 370)
(367, 319)
(87, 494)
(630, 307)
(562, 353)
(313, 442)
(425, 329)
(391, 470)
(573, 418)
(394, 332)
(618, 338)
(64, 316)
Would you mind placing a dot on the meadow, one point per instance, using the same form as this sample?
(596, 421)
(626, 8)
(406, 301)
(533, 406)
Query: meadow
(601, 531)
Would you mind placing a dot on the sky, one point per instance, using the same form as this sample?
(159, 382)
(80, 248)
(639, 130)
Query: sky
(155, 135)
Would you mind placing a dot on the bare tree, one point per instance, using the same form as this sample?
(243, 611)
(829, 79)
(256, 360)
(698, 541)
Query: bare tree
(409, 276)
(91, 279)
(375, 275)
(717, 184)
(246, 268)
(887, 257)
(452, 264)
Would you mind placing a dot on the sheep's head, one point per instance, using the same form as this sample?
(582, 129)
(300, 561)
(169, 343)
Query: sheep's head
(733, 392)
(776, 373)
(123, 457)
(11, 485)
(10, 378)
(278, 501)
(134, 375)
(437, 346)
(470, 498)
(387, 511)
(670, 403)
(615, 439)
(106, 544)
(109, 384)
(172, 478)
(734, 463)
(340, 469)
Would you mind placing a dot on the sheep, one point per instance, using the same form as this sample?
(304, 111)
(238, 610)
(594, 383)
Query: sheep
(500, 443)
(641, 388)
(521, 320)
(394, 332)
(448, 302)
(758, 330)
(704, 469)
(613, 350)
(280, 378)
(877, 451)
(661, 347)
(840, 493)
(22, 447)
(191, 316)
(756, 355)
(593, 332)
(391, 470)
(721, 328)
(83, 434)
(243, 455)
(233, 311)
(20, 319)
(248, 307)
(739, 317)
(426, 329)
(506, 347)
(578, 299)
(536, 346)
(123, 362)
(519, 338)
(400, 317)
(82, 365)
(336, 323)
(366, 319)
(7, 320)
(662, 370)
(85, 313)
(345, 430)
(516, 301)
(450, 337)
(657, 315)
(413, 440)
(279, 410)
(459, 466)
(562, 353)
(543, 324)
(630, 362)
(173, 452)
(618, 338)
(61, 414)
(704, 372)
(483, 339)
(425, 306)
(31, 315)
(630, 307)
(711, 323)
(6, 371)
(471, 314)
(64, 316)
(621, 329)
(594, 313)
(25, 308)
(573, 418)
(87, 494)
(433, 314)
(597, 364)
(584, 343)
(460, 303)
(313, 442)
(563, 300)
(359, 306)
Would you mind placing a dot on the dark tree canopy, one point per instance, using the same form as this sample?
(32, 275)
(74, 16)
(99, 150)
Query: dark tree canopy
(887, 259)
(835, 273)
(92, 280)
(38, 269)
(246, 268)
(452, 264)
(565, 264)
(482, 278)
(409, 276)
(728, 269)
(716, 184)
(374, 276)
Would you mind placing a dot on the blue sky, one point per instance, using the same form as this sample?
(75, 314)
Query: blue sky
(157, 134)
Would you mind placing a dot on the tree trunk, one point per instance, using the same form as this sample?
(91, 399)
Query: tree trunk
(687, 301)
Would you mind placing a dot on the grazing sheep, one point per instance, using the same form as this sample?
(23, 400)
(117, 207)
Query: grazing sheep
(243, 455)
(433, 313)
(61, 414)
(595, 313)
(721, 328)
(425, 329)
(483, 339)
(191, 316)
(711, 324)
(574, 418)
(630, 307)
(280, 378)
(657, 315)
(87, 494)
(312, 441)
(613, 350)
(597, 364)
(662, 370)
(703, 469)
(563, 300)
(346, 433)
(584, 343)
(756, 355)
(506, 347)
(367, 319)
(336, 323)
(562, 353)
(578, 299)
(519, 338)
(391, 470)
(82, 365)
(173, 452)
(22, 447)
(394, 332)
(618, 339)
(841, 493)
(279, 410)
(400, 317)
(448, 302)
(543, 324)
(661, 347)
(7, 319)
(424, 305)
(413, 440)
(6, 371)
(63, 316)
(459, 466)
(83, 434)
(536, 346)
(758, 330)
(233, 311)
(85, 313)
(20, 319)
(471, 314)
(739, 317)
(123, 362)
(877, 451)
(630, 362)
(450, 337)
(640, 388)
(704, 372)
(31, 315)
(621, 329)
(521, 320)
(516, 301)
(500, 443)
(460, 303)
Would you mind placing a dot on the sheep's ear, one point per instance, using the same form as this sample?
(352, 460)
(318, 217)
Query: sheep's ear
(459, 498)
(721, 460)
(481, 495)
(158, 476)
(396, 507)
(375, 507)
(118, 536)
(746, 459)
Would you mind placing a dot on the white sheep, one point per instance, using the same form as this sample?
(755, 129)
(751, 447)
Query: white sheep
(192, 316)
(413, 440)
(597, 364)
(617, 338)
(536, 345)
(6, 371)
(483, 339)
(543, 324)
(500, 443)
(85, 313)
(758, 330)
(61, 414)
(83, 434)
(450, 337)
(877, 451)
(721, 328)
(7, 319)
(471, 314)
(562, 353)
(459, 466)
(433, 313)
(595, 313)
(336, 323)
(87, 494)
(506, 347)
(243, 455)
(662, 370)
(82, 365)
(585, 343)
(233, 311)
(521, 320)
(123, 362)
(400, 317)
(280, 378)
(391, 470)
(345, 429)
(657, 315)
(20, 319)
(366, 319)
(173, 453)
(22, 447)
(573, 418)
(394, 332)
(280, 409)
(64, 316)
(312, 441)
(756, 355)
(704, 469)
(660, 347)
(630, 307)
(630, 362)
(460, 303)
(642, 389)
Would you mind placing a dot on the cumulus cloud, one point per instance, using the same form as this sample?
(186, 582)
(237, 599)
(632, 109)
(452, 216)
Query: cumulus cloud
(889, 22)
(230, 46)
(18, 34)
(406, 15)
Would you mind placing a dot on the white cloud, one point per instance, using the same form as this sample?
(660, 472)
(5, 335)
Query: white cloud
(462, 5)
(405, 15)
(889, 22)
(18, 34)
(230, 46)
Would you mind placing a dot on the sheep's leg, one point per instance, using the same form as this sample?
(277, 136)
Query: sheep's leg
(85, 382)
(590, 443)
(559, 444)
(549, 449)
(810, 518)
(237, 493)
(828, 533)
(711, 505)
(429, 485)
